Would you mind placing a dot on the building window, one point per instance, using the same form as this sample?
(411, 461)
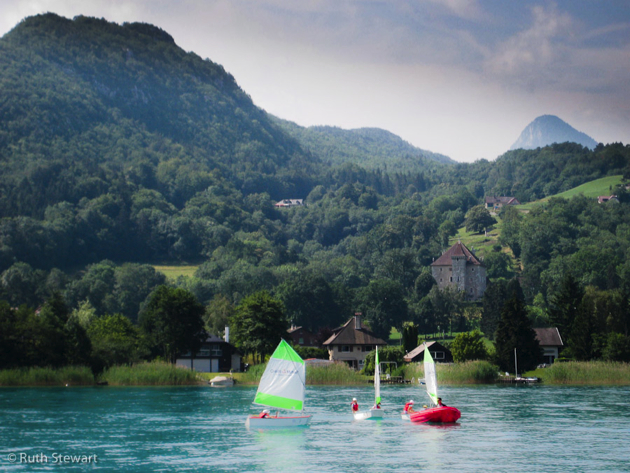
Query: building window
(204, 352)
(472, 269)
(344, 348)
(216, 350)
(438, 355)
(300, 341)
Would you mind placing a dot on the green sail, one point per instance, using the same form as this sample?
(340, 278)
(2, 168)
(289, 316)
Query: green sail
(282, 383)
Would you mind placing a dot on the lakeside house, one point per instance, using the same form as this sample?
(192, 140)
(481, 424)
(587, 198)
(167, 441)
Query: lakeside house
(215, 356)
(439, 352)
(351, 343)
(460, 269)
(302, 337)
(495, 203)
(550, 341)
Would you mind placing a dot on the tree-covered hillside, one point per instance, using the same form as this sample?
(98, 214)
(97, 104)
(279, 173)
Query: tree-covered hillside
(118, 149)
(372, 148)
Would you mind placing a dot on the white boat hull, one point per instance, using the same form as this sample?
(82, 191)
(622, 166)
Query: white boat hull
(371, 414)
(255, 422)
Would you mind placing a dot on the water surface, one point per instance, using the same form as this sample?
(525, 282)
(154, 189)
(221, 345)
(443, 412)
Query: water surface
(503, 428)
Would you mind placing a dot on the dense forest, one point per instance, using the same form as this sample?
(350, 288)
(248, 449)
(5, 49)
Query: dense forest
(119, 150)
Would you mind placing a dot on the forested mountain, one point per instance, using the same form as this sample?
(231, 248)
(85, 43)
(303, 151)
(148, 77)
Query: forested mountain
(549, 129)
(371, 148)
(118, 149)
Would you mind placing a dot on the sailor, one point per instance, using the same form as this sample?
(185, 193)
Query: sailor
(264, 414)
(439, 403)
(355, 405)
(377, 406)
(408, 407)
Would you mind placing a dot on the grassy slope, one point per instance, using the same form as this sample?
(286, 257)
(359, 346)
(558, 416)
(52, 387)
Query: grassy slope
(590, 189)
(173, 272)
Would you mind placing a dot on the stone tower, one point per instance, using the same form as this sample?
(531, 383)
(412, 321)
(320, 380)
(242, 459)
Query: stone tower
(459, 268)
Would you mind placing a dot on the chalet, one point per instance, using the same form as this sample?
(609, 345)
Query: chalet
(302, 337)
(602, 199)
(289, 203)
(460, 269)
(351, 343)
(495, 203)
(215, 356)
(551, 343)
(439, 352)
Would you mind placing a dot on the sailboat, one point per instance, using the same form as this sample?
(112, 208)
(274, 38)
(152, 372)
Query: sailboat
(441, 414)
(375, 412)
(281, 387)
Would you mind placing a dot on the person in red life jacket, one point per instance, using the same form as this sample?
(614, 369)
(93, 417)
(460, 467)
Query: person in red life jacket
(408, 408)
(354, 405)
(440, 404)
(377, 406)
(264, 414)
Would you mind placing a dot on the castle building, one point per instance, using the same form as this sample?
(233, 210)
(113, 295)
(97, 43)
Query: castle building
(459, 268)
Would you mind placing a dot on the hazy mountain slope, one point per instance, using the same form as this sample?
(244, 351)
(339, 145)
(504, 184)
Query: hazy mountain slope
(368, 147)
(94, 94)
(549, 129)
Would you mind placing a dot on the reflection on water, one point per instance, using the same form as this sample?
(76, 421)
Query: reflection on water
(502, 428)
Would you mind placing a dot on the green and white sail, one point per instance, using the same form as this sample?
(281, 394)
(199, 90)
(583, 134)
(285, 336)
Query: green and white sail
(282, 384)
(377, 379)
(430, 377)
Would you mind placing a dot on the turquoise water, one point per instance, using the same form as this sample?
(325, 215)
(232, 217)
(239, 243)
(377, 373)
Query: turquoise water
(503, 428)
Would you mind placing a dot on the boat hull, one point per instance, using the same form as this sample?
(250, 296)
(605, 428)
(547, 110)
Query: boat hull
(371, 414)
(255, 422)
(440, 415)
(404, 416)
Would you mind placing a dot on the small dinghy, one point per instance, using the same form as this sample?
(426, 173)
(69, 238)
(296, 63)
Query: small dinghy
(281, 387)
(376, 412)
(439, 413)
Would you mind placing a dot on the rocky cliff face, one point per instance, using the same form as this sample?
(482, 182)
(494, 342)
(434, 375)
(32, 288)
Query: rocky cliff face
(549, 129)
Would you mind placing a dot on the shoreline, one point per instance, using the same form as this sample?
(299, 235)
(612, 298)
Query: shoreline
(156, 374)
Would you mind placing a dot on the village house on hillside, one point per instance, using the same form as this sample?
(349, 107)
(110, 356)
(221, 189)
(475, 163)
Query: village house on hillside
(550, 341)
(351, 343)
(215, 356)
(602, 199)
(460, 269)
(495, 203)
(289, 203)
(439, 352)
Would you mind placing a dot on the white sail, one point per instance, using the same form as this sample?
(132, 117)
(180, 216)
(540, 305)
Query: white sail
(377, 380)
(282, 384)
(430, 377)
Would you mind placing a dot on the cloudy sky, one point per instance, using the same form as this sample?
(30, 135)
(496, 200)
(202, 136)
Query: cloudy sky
(457, 77)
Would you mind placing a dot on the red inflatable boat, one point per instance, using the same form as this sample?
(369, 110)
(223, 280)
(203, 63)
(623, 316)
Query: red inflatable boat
(444, 414)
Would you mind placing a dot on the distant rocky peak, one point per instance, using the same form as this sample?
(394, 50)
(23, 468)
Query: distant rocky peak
(548, 129)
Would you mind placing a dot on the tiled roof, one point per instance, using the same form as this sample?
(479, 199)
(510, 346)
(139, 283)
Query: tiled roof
(458, 249)
(505, 200)
(549, 337)
(348, 335)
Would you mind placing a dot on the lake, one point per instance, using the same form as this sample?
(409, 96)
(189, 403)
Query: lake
(503, 428)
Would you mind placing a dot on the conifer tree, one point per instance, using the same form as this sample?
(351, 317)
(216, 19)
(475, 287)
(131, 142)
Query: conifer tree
(515, 332)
